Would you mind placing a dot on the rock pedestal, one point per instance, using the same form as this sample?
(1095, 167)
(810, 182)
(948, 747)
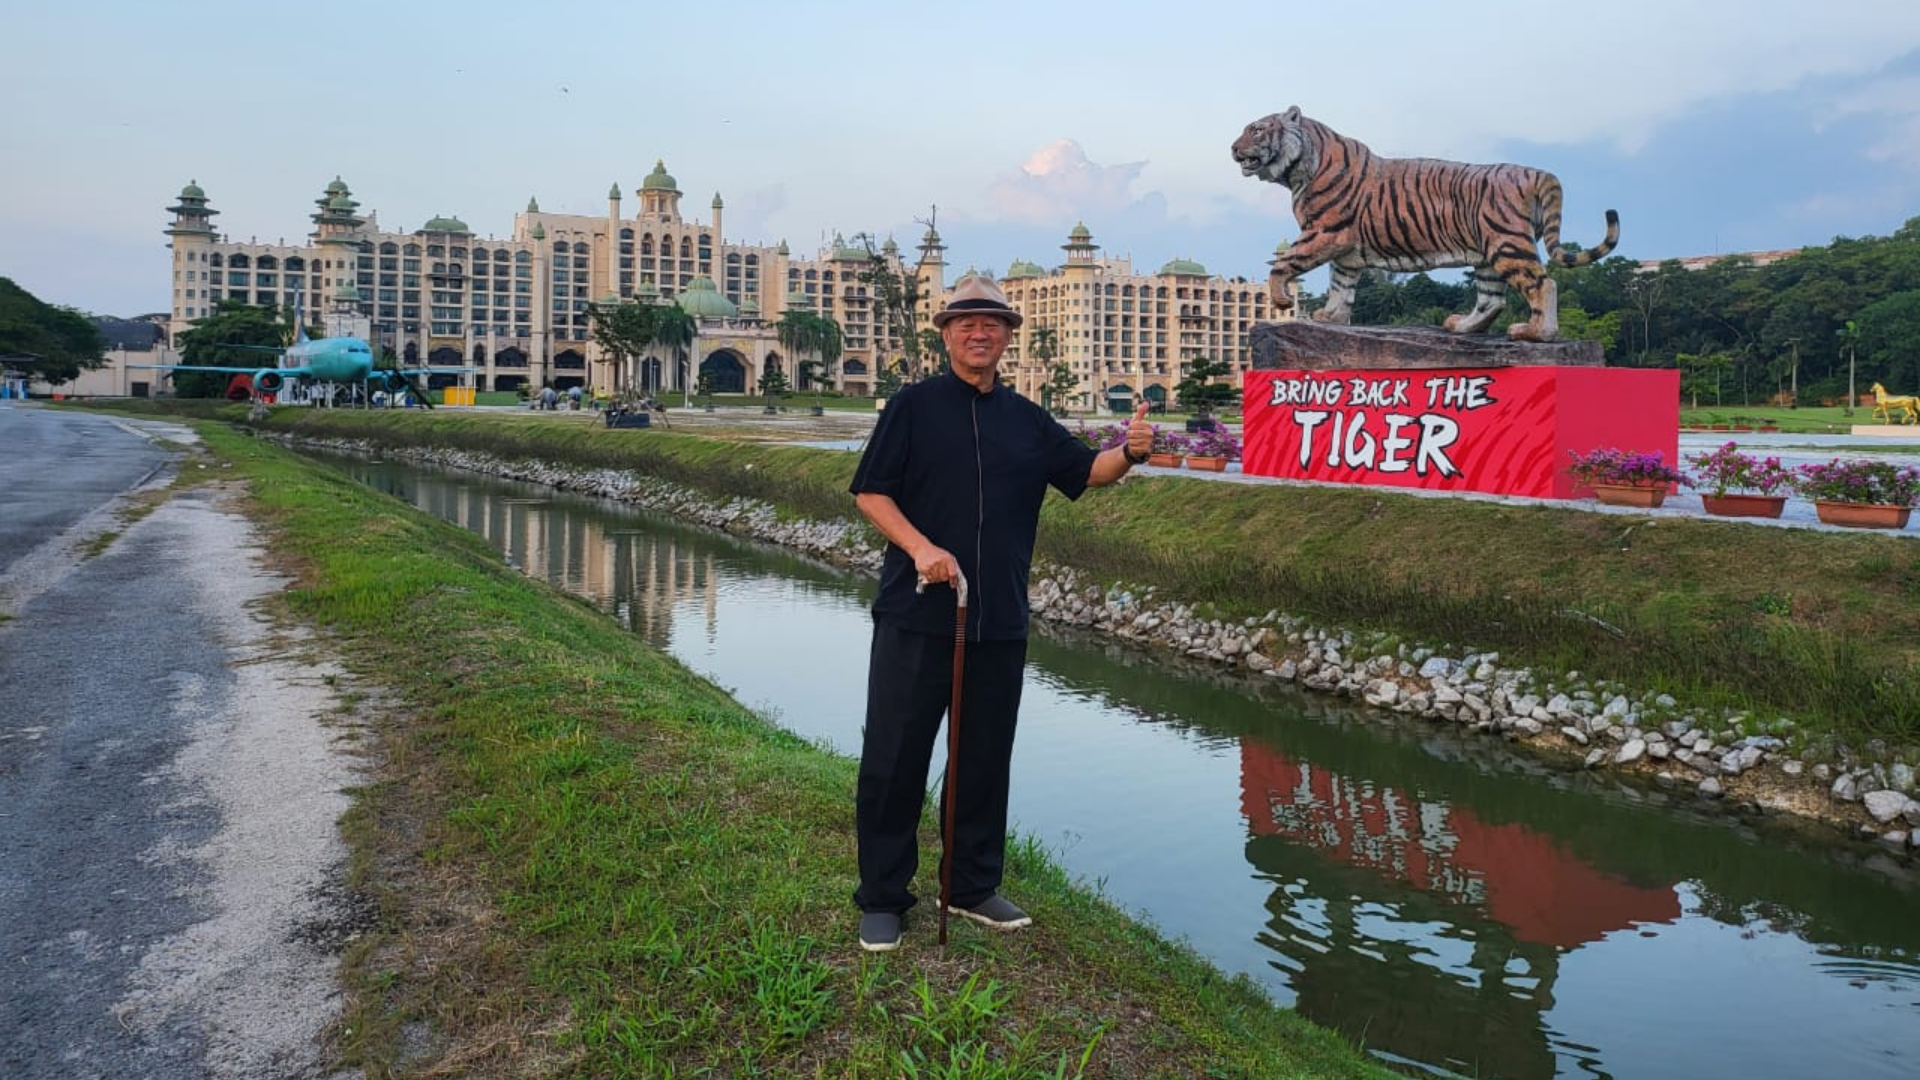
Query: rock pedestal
(1305, 345)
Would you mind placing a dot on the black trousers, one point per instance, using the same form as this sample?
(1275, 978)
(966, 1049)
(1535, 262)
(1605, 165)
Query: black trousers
(909, 686)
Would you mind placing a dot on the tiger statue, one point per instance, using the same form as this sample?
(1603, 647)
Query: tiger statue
(1359, 210)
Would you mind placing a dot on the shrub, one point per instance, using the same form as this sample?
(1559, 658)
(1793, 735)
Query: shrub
(1103, 436)
(1608, 465)
(1728, 470)
(1172, 442)
(1216, 441)
(1880, 483)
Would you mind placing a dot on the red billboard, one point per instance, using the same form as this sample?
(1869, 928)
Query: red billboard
(1507, 431)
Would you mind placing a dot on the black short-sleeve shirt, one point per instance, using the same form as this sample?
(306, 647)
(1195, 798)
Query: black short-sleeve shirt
(969, 470)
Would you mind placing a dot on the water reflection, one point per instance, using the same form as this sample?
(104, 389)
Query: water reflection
(1450, 905)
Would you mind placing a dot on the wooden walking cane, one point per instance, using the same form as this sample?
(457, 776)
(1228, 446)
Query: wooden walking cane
(953, 750)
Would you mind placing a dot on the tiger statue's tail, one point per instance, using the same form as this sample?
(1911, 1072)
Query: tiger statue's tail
(1546, 226)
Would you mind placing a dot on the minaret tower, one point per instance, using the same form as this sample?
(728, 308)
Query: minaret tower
(660, 195)
(930, 275)
(335, 226)
(612, 247)
(719, 242)
(1080, 247)
(192, 234)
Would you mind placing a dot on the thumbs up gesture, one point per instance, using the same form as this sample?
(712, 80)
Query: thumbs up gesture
(1139, 432)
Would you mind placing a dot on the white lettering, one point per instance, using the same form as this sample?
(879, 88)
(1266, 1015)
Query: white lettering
(1377, 393)
(1359, 445)
(1436, 434)
(1308, 419)
(1305, 392)
(1394, 443)
(1466, 393)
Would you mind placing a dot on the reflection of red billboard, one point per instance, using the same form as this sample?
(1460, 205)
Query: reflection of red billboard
(1502, 430)
(1522, 878)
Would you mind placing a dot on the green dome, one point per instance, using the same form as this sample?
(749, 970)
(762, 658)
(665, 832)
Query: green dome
(750, 308)
(782, 249)
(889, 248)
(647, 292)
(192, 191)
(609, 300)
(659, 180)
(614, 191)
(1021, 268)
(341, 202)
(703, 301)
(533, 205)
(1080, 232)
(539, 231)
(445, 224)
(717, 204)
(1184, 268)
(348, 293)
(338, 187)
(845, 252)
(797, 301)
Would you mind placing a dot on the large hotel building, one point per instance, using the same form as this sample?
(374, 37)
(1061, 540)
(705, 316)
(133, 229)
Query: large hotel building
(518, 310)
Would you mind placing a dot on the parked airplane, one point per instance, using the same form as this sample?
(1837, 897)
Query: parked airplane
(346, 360)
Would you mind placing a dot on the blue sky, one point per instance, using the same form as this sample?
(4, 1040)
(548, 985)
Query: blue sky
(1711, 125)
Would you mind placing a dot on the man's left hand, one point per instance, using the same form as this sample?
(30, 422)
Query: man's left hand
(1139, 432)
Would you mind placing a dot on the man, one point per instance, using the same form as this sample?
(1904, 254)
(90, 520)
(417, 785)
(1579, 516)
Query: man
(953, 477)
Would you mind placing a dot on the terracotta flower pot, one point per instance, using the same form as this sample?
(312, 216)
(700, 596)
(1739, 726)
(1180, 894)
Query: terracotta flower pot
(1207, 463)
(1862, 515)
(1641, 495)
(1164, 460)
(1738, 505)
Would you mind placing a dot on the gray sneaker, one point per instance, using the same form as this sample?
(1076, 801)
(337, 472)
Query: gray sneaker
(997, 912)
(879, 931)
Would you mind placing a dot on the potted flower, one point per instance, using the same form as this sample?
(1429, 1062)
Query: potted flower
(1625, 477)
(1865, 494)
(1734, 484)
(1102, 436)
(1168, 446)
(1212, 449)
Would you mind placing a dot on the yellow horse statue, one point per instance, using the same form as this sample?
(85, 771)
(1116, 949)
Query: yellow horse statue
(1884, 404)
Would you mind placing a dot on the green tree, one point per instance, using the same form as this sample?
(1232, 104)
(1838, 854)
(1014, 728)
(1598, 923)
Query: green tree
(1703, 373)
(887, 378)
(54, 344)
(1849, 336)
(624, 332)
(235, 335)
(675, 330)
(1199, 394)
(773, 383)
(1044, 346)
(896, 297)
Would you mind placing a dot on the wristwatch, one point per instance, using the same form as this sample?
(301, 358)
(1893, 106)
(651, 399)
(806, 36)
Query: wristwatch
(1127, 452)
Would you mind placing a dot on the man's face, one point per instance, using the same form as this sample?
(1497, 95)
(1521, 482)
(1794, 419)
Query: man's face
(975, 342)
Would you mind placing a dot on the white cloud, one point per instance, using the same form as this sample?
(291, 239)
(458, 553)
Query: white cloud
(1058, 182)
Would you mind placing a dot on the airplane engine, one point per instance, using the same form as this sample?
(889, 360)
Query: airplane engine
(391, 381)
(269, 380)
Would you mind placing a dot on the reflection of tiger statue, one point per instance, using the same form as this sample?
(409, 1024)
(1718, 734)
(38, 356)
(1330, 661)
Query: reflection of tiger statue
(1359, 211)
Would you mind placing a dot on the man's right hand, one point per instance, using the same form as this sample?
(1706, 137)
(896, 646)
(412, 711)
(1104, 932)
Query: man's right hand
(936, 565)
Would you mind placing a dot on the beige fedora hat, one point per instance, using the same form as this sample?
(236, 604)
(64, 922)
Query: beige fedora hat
(977, 295)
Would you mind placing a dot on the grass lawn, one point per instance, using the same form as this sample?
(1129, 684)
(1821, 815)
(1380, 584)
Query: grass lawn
(591, 862)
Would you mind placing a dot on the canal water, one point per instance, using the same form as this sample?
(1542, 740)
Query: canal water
(1454, 908)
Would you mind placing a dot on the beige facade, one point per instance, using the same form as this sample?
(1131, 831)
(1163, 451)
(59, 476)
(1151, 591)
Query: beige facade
(1120, 333)
(518, 310)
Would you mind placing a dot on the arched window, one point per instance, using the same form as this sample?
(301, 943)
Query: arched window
(268, 262)
(389, 248)
(239, 261)
(646, 245)
(559, 247)
(296, 264)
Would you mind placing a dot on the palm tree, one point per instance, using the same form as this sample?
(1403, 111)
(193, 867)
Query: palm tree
(1045, 345)
(676, 329)
(1849, 336)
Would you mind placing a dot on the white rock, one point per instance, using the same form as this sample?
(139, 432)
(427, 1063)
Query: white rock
(1884, 806)
(1631, 751)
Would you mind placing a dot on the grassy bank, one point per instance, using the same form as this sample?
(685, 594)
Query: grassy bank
(592, 862)
(1820, 625)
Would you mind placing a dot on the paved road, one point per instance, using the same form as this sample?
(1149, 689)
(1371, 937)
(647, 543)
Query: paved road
(169, 795)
